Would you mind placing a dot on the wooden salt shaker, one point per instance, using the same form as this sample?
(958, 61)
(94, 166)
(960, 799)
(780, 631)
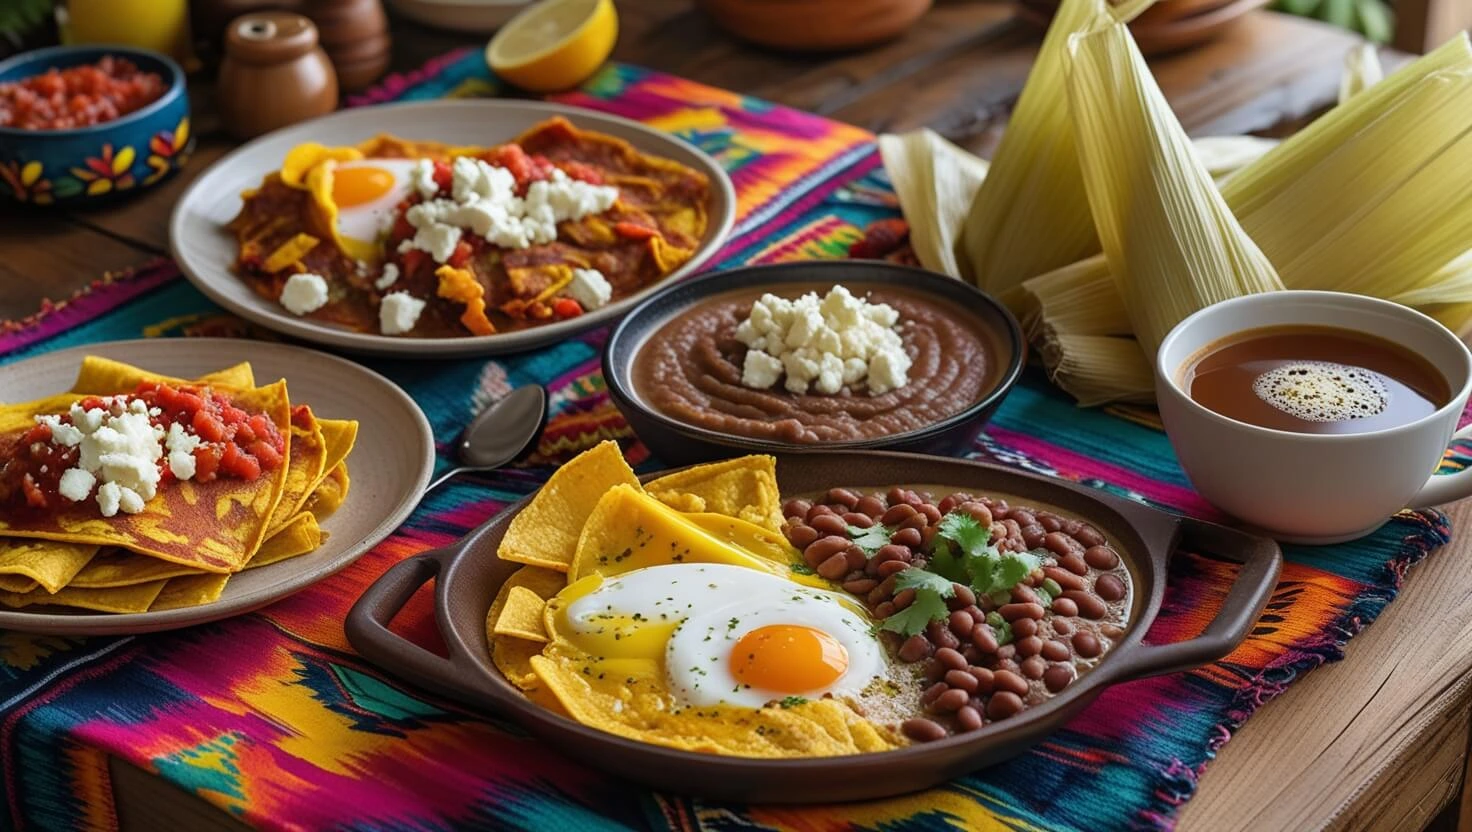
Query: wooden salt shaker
(354, 33)
(274, 74)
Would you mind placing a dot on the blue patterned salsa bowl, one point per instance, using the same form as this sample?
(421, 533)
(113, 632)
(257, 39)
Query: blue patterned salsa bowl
(87, 165)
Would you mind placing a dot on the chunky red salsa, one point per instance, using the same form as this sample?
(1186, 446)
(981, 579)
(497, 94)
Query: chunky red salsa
(61, 99)
(236, 443)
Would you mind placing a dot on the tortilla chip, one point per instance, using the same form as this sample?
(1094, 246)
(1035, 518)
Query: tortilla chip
(213, 526)
(305, 467)
(17, 583)
(113, 567)
(49, 564)
(521, 617)
(637, 705)
(745, 487)
(339, 435)
(630, 530)
(191, 591)
(298, 537)
(512, 655)
(120, 599)
(330, 493)
(546, 532)
(103, 376)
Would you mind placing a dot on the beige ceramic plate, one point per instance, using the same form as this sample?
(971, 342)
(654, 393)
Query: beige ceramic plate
(205, 250)
(389, 465)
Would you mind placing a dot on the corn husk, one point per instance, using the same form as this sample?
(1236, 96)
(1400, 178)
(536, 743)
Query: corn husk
(1362, 199)
(1096, 368)
(1362, 70)
(1172, 245)
(1031, 215)
(1400, 229)
(935, 180)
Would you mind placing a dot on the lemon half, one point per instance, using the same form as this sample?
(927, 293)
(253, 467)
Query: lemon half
(555, 44)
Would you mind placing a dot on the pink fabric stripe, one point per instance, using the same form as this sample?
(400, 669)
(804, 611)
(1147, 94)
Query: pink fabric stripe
(92, 302)
(393, 86)
(1069, 462)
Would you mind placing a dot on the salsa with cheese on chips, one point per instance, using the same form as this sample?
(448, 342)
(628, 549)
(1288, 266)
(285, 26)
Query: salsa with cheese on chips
(139, 492)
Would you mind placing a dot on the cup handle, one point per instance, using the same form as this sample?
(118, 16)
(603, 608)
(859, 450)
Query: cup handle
(1446, 488)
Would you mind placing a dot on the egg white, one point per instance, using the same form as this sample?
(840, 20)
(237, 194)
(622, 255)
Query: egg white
(715, 605)
(364, 222)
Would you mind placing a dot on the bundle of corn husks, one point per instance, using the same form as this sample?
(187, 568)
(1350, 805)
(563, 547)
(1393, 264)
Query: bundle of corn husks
(1103, 226)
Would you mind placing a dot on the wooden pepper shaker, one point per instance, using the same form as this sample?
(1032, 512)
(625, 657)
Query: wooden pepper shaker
(274, 74)
(354, 33)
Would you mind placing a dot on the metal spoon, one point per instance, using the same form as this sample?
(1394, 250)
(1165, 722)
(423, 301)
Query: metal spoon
(500, 433)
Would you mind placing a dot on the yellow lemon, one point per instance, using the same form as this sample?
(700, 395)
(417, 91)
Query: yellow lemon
(555, 44)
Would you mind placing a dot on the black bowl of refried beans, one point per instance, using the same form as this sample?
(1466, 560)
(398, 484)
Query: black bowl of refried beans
(677, 368)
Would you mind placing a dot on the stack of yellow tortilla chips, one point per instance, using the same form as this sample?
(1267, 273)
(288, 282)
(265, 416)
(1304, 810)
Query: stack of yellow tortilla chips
(190, 538)
(725, 512)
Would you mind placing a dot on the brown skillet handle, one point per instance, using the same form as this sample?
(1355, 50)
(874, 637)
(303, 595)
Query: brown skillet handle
(1261, 561)
(367, 627)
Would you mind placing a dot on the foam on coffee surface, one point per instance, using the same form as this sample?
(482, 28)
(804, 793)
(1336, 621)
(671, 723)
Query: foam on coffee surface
(1322, 391)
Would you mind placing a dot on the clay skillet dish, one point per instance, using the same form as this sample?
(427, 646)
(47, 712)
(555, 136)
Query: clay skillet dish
(468, 574)
(955, 305)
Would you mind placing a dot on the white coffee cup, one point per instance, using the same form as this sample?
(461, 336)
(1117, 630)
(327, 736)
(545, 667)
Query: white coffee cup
(1303, 487)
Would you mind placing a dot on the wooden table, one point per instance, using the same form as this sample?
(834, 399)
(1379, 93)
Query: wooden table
(1377, 741)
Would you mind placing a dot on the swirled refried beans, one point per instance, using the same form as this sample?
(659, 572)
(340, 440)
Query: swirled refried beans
(690, 370)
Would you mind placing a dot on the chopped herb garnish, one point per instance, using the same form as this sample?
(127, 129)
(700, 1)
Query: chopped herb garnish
(792, 701)
(870, 539)
(929, 605)
(803, 569)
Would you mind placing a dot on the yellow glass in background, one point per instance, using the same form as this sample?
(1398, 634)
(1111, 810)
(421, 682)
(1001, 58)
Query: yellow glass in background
(160, 25)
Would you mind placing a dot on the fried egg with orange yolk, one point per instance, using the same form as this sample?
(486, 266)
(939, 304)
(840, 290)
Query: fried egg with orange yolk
(355, 198)
(725, 634)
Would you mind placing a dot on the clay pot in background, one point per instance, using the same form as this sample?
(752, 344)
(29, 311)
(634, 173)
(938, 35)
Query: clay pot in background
(815, 25)
(354, 34)
(273, 74)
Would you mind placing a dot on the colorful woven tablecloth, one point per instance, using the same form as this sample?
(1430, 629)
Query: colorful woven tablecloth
(273, 718)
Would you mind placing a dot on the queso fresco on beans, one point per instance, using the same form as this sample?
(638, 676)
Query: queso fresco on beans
(1058, 599)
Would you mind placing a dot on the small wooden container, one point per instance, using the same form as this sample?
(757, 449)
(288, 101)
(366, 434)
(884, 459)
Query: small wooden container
(274, 74)
(354, 34)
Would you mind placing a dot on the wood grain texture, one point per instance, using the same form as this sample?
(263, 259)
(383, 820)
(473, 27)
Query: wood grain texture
(44, 256)
(1375, 741)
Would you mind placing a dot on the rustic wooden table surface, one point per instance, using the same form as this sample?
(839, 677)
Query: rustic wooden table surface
(1377, 741)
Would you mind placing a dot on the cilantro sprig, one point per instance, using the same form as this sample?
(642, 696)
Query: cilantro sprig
(872, 538)
(965, 554)
(962, 554)
(931, 592)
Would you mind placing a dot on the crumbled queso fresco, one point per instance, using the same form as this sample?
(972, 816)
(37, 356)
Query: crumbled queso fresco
(304, 293)
(484, 202)
(827, 344)
(118, 451)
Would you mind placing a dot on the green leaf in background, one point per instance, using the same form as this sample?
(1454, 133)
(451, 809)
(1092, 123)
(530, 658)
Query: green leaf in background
(18, 17)
(1302, 8)
(1377, 21)
(1338, 12)
(1373, 18)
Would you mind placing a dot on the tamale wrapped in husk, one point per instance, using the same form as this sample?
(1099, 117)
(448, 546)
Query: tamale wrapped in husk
(1172, 244)
(1408, 210)
(1030, 215)
(936, 180)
